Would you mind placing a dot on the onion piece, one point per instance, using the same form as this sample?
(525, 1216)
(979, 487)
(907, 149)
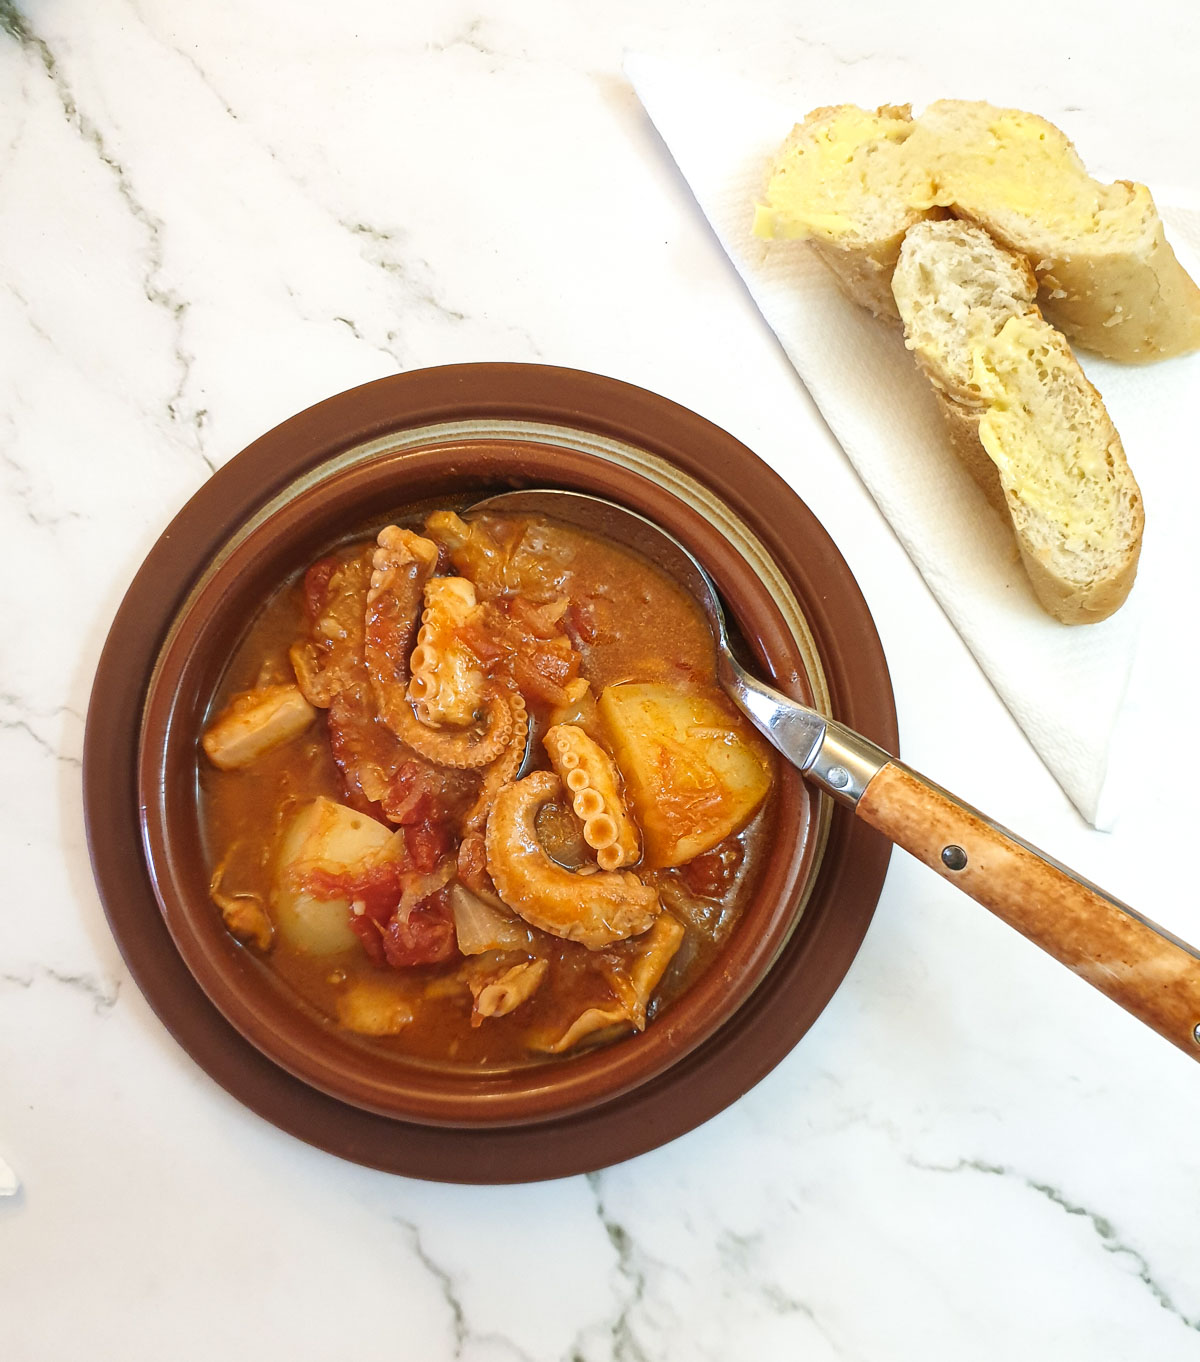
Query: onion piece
(480, 927)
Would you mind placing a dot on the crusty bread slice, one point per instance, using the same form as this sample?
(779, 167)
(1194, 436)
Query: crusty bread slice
(1022, 416)
(837, 184)
(852, 182)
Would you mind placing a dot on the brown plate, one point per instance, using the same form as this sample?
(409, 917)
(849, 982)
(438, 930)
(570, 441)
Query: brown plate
(812, 962)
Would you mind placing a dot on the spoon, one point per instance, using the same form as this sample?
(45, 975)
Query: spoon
(1142, 967)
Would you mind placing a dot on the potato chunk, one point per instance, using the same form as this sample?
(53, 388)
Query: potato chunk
(256, 722)
(322, 836)
(693, 770)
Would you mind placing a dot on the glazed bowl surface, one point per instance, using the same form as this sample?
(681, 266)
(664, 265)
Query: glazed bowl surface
(346, 467)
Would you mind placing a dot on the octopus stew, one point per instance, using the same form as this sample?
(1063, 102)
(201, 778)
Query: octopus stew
(472, 790)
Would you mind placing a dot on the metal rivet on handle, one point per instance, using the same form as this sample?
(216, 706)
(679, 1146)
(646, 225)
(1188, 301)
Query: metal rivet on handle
(838, 777)
(954, 858)
(1196, 1033)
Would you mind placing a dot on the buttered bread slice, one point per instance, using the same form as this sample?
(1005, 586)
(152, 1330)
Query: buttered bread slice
(840, 182)
(1022, 416)
(853, 181)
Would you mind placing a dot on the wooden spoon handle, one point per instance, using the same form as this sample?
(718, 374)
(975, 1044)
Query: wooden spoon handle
(1140, 966)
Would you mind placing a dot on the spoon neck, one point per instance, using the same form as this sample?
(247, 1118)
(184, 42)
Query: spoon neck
(841, 762)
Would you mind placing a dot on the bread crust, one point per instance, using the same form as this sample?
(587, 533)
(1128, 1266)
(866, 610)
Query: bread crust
(864, 273)
(1070, 604)
(962, 426)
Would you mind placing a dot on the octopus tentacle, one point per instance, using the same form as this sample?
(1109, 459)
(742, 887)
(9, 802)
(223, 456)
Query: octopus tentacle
(595, 909)
(503, 769)
(472, 550)
(590, 776)
(502, 555)
(461, 748)
(402, 563)
(447, 681)
(401, 567)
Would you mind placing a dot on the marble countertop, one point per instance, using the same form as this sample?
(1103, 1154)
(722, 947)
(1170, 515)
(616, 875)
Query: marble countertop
(212, 216)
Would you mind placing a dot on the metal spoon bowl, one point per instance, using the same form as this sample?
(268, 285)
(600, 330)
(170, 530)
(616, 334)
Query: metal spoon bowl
(1139, 965)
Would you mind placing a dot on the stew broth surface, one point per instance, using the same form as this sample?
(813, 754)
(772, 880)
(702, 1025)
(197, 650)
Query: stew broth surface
(624, 624)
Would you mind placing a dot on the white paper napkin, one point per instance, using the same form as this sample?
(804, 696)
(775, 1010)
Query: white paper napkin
(1065, 686)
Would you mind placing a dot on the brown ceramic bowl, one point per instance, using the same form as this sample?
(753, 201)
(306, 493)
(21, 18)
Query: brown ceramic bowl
(350, 464)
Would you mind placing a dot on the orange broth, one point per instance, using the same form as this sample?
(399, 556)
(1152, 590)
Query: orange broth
(627, 622)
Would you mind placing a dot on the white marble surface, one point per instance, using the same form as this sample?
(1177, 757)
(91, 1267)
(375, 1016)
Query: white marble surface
(214, 215)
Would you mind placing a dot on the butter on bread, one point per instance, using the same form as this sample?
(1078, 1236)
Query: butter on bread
(853, 181)
(1030, 427)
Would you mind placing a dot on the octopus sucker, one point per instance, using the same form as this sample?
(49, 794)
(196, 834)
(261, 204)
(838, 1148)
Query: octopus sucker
(504, 769)
(595, 910)
(463, 749)
(591, 778)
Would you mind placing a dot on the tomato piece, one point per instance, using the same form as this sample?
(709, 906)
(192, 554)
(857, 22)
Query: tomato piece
(420, 792)
(426, 938)
(426, 843)
(377, 888)
(482, 641)
(543, 675)
(410, 794)
(529, 643)
(370, 933)
(538, 621)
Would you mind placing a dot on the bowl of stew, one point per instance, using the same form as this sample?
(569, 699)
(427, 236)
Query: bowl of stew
(444, 811)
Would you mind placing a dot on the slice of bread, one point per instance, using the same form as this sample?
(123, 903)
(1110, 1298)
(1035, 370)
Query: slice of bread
(1026, 422)
(852, 182)
(837, 183)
